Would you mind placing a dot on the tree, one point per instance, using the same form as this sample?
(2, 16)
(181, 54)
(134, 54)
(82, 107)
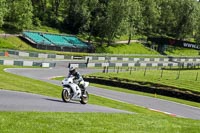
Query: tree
(77, 17)
(55, 6)
(134, 18)
(3, 10)
(151, 16)
(92, 19)
(114, 19)
(97, 20)
(184, 14)
(197, 25)
(39, 9)
(19, 14)
(167, 21)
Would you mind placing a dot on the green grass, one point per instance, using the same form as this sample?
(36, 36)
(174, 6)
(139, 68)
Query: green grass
(34, 122)
(1, 31)
(46, 29)
(186, 79)
(133, 48)
(19, 83)
(126, 37)
(144, 121)
(176, 51)
(14, 43)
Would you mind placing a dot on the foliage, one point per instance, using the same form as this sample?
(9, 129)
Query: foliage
(19, 14)
(2, 11)
(134, 19)
(151, 15)
(78, 16)
(106, 19)
(114, 19)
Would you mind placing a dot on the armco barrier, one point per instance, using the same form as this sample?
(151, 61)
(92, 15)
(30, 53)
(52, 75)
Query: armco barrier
(169, 65)
(39, 55)
(106, 58)
(112, 61)
(133, 64)
(2, 54)
(26, 63)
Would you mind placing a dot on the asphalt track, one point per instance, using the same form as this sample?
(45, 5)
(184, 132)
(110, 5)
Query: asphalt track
(21, 101)
(168, 107)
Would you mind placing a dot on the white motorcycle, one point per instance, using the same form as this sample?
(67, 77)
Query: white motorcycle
(71, 91)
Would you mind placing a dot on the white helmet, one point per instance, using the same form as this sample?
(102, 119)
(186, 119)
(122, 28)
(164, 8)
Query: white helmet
(72, 69)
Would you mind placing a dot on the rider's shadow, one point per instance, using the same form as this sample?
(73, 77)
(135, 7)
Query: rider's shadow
(60, 101)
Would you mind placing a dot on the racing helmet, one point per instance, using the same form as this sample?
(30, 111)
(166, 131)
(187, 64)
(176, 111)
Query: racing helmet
(72, 70)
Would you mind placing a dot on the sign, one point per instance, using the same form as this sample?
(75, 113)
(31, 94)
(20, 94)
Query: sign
(173, 42)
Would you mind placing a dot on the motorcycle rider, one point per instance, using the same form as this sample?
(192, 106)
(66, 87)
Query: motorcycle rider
(78, 79)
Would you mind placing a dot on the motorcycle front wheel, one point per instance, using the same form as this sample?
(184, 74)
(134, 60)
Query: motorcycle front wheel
(84, 100)
(65, 95)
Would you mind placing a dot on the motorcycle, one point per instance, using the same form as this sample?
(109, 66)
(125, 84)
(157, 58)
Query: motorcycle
(72, 91)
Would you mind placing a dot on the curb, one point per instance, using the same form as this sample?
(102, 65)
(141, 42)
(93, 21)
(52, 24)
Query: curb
(167, 113)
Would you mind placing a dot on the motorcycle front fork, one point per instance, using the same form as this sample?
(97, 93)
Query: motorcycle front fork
(83, 91)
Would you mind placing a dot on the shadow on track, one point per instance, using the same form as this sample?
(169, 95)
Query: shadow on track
(60, 101)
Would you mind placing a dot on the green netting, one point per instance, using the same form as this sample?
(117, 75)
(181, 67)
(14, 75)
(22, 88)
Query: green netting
(78, 43)
(55, 39)
(37, 37)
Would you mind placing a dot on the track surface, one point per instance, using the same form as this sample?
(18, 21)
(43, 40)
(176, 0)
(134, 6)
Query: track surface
(20, 101)
(148, 102)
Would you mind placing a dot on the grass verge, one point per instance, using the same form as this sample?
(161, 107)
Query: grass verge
(184, 79)
(195, 104)
(35, 122)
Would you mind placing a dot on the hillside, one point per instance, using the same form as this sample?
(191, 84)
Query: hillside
(14, 42)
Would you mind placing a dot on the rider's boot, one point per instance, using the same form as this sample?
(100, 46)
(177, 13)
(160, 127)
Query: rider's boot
(84, 92)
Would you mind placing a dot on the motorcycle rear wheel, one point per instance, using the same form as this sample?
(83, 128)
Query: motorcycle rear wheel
(84, 100)
(65, 95)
